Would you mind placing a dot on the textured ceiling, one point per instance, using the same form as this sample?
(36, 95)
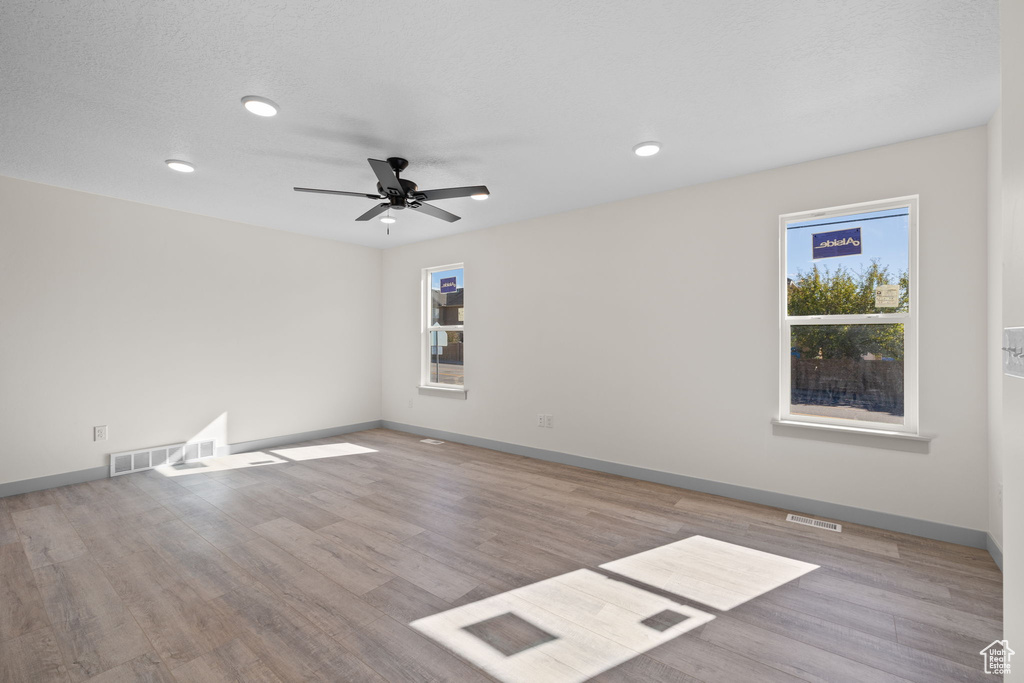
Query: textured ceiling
(542, 101)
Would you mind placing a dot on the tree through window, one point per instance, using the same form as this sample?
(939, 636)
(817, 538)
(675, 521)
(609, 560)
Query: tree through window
(848, 321)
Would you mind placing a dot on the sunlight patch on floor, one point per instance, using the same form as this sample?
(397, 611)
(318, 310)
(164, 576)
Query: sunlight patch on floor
(567, 629)
(220, 463)
(572, 627)
(276, 456)
(722, 575)
(331, 450)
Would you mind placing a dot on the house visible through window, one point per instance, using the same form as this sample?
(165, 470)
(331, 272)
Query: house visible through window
(443, 334)
(849, 333)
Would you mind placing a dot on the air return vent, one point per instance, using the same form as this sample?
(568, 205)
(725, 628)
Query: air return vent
(807, 521)
(148, 458)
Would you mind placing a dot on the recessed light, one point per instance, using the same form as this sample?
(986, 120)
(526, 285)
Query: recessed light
(647, 149)
(387, 219)
(260, 106)
(180, 166)
(480, 196)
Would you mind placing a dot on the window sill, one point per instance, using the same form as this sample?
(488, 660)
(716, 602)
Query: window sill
(854, 436)
(445, 392)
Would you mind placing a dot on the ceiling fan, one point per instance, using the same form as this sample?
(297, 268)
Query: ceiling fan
(399, 193)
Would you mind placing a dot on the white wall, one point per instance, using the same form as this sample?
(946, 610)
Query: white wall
(1011, 21)
(157, 322)
(652, 324)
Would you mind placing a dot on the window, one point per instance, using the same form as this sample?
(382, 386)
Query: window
(443, 333)
(849, 316)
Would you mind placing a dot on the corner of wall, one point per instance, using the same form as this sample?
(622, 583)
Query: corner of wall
(995, 325)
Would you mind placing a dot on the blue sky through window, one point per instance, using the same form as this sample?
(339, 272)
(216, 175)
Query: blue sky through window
(435, 278)
(884, 236)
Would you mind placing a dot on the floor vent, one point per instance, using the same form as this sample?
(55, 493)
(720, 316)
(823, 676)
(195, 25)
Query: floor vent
(432, 442)
(807, 521)
(148, 458)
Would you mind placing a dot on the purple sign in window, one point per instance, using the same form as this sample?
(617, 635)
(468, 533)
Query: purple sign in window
(835, 243)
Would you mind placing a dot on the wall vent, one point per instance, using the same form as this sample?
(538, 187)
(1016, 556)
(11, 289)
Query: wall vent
(807, 521)
(148, 458)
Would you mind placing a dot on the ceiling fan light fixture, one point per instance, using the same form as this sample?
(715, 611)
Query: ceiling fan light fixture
(180, 166)
(480, 196)
(647, 149)
(260, 106)
(387, 219)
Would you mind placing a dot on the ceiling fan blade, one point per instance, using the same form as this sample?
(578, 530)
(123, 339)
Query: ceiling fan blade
(435, 212)
(347, 194)
(386, 176)
(452, 192)
(375, 211)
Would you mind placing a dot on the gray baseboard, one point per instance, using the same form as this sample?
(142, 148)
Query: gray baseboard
(13, 488)
(994, 550)
(844, 513)
(287, 440)
(54, 480)
(974, 538)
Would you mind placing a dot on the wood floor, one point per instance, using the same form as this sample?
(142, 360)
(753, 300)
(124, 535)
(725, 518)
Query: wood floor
(311, 563)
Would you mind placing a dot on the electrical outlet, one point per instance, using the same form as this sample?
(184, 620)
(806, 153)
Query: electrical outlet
(540, 420)
(99, 433)
(549, 421)
(410, 403)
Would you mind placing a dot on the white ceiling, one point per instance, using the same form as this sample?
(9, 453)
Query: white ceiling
(541, 100)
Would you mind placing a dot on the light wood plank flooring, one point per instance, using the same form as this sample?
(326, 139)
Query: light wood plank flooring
(312, 563)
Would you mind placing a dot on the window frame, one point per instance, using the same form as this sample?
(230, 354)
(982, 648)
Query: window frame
(426, 328)
(909, 319)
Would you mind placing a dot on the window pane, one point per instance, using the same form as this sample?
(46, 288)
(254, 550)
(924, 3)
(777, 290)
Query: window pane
(851, 372)
(446, 294)
(834, 266)
(446, 358)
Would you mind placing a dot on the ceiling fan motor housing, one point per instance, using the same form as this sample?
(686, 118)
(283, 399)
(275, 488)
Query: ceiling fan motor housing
(408, 186)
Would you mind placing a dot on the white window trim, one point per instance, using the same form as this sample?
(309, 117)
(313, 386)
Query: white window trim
(427, 387)
(911, 397)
